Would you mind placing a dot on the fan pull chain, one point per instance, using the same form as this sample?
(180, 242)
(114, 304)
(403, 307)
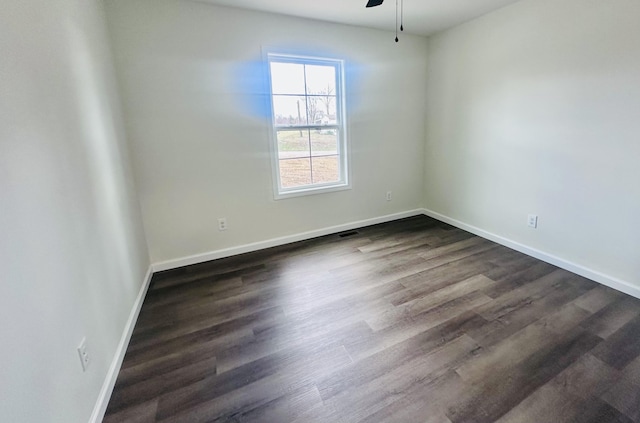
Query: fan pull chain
(401, 15)
(397, 21)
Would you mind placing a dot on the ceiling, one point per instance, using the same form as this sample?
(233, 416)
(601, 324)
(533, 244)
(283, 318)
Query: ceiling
(422, 17)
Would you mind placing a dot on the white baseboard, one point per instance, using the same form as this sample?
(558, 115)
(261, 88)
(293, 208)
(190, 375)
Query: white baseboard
(110, 380)
(274, 242)
(578, 269)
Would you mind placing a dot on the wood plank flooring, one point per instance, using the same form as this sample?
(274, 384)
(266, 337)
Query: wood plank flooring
(409, 321)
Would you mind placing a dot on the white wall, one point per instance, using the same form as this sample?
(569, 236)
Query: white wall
(192, 82)
(535, 108)
(72, 251)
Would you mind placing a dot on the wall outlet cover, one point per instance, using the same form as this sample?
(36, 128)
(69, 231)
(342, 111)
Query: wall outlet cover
(85, 359)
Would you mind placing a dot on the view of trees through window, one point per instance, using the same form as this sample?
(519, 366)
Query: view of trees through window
(306, 122)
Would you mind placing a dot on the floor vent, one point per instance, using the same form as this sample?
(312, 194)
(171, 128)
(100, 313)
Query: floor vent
(346, 234)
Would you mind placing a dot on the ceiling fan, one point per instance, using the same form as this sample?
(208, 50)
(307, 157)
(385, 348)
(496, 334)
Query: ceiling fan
(374, 3)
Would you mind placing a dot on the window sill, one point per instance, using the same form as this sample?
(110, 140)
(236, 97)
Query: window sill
(311, 191)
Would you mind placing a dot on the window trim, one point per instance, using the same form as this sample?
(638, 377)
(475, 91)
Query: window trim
(341, 127)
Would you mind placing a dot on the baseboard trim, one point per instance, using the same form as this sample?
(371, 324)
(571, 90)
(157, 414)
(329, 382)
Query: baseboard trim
(274, 242)
(110, 380)
(578, 269)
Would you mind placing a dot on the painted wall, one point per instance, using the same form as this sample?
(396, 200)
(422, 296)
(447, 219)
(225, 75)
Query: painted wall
(535, 108)
(72, 251)
(192, 79)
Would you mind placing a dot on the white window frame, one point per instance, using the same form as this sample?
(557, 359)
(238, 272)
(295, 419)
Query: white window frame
(340, 127)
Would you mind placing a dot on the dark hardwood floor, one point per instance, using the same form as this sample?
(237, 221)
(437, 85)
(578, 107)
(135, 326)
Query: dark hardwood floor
(409, 321)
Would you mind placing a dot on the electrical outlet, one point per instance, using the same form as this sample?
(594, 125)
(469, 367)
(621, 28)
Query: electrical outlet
(388, 195)
(532, 221)
(85, 358)
(222, 224)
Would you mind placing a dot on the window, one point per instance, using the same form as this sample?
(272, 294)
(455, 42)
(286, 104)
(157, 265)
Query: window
(309, 139)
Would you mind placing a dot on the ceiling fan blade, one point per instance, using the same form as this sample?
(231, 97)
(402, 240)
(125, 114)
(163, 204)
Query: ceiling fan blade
(374, 3)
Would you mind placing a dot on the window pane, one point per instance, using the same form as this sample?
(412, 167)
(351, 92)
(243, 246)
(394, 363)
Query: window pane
(321, 79)
(324, 142)
(326, 169)
(308, 123)
(322, 110)
(295, 172)
(289, 110)
(293, 144)
(287, 78)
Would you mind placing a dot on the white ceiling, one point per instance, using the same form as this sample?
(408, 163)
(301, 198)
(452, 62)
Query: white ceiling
(421, 17)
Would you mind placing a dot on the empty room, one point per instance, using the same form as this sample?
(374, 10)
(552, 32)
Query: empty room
(338, 211)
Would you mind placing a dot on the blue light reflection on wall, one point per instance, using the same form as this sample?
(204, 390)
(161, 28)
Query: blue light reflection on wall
(251, 81)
